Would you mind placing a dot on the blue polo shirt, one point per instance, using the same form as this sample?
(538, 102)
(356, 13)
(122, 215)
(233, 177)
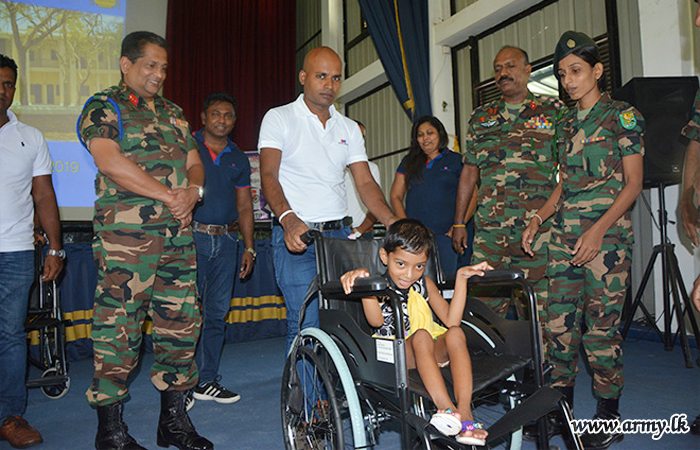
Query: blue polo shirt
(432, 200)
(224, 173)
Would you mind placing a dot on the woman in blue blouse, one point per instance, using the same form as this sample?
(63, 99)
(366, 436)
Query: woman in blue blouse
(427, 179)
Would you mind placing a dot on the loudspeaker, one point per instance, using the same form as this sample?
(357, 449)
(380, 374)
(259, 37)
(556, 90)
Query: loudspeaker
(666, 104)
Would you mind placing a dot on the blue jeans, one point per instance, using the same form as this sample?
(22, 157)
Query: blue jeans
(16, 275)
(218, 260)
(294, 273)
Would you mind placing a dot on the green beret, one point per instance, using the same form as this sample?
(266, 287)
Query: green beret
(568, 42)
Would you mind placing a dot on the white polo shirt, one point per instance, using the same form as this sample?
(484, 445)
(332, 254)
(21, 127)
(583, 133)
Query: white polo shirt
(313, 158)
(356, 209)
(23, 156)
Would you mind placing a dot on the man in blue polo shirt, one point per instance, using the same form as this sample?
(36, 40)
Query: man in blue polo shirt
(226, 208)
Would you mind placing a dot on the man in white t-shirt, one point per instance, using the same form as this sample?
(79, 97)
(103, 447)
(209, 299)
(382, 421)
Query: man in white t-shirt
(304, 149)
(25, 181)
(362, 220)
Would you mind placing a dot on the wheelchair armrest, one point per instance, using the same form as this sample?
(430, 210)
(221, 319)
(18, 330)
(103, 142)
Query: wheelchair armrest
(498, 277)
(490, 278)
(364, 287)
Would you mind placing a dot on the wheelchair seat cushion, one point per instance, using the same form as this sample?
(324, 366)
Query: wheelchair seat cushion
(486, 370)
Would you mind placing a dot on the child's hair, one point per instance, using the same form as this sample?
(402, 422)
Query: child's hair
(409, 235)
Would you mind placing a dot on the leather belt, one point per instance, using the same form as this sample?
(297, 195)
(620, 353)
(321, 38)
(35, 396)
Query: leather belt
(323, 226)
(217, 230)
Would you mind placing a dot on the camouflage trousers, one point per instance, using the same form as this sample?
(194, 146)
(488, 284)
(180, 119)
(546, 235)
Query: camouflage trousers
(143, 274)
(501, 248)
(593, 295)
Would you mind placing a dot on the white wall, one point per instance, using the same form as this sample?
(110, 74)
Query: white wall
(151, 15)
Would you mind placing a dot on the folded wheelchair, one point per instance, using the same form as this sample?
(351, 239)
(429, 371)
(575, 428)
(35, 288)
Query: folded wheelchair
(341, 386)
(47, 334)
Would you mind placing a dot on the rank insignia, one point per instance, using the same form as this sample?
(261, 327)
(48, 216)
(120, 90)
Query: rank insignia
(533, 105)
(134, 99)
(627, 120)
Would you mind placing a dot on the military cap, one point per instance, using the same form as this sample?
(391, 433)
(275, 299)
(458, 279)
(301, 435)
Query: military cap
(569, 42)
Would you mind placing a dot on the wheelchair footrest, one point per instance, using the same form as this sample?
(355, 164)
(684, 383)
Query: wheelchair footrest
(47, 381)
(532, 408)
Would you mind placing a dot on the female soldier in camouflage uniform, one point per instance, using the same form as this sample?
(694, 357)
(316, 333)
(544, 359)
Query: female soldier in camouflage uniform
(601, 155)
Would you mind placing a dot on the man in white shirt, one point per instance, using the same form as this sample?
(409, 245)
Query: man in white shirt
(304, 149)
(25, 181)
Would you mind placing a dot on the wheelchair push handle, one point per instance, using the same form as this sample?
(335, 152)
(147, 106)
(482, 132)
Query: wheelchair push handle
(308, 236)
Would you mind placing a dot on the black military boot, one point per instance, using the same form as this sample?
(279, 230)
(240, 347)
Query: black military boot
(112, 432)
(607, 409)
(175, 427)
(555, 425)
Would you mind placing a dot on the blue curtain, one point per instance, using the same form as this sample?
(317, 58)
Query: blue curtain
(401, 40)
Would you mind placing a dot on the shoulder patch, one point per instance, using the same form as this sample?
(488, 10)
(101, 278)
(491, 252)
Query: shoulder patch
(628, 120)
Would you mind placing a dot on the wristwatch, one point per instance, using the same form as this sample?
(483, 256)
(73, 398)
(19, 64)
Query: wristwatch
(252, 252)
(200, 191)
(60, 253)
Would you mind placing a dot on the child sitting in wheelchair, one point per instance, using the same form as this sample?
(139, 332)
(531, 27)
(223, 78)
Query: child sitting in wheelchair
(429, 346)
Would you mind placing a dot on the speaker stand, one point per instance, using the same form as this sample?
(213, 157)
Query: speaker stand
(673, 289)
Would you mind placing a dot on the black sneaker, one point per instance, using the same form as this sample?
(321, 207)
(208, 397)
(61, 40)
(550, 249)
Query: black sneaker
(189, 402)
(212, 390)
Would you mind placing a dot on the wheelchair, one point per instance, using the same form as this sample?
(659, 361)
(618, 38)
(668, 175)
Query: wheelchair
(340, 385)
(47, 328)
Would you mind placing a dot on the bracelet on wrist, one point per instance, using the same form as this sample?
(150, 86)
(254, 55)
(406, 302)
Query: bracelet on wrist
(539, 217)
(289, 211)
(459, 225)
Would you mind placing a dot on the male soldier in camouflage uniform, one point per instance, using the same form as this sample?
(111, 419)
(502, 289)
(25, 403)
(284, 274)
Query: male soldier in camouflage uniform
(601, 159)
(510, 144)
(150, 177)
(691, 193)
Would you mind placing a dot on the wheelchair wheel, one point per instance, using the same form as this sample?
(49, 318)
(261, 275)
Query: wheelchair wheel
(310, 414)
(55, 391)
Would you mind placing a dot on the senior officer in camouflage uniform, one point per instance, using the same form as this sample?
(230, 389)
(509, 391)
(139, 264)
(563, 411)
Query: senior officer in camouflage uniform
(510, 144)
(601, 159)
(149, 179)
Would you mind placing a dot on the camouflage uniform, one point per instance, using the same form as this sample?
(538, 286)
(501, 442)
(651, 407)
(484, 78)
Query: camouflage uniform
(692, 129)
(515, 156)
(591, 154)
(146, 263)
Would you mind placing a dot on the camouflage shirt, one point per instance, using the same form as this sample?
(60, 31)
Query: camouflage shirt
(590, 154)
(692, 129)
(515, 156)
(157, 142)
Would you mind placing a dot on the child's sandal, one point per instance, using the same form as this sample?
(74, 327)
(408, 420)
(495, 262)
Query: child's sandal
(470, 425)
(446, 423)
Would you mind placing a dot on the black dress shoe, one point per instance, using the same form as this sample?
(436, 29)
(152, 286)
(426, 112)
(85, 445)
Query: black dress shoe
(112, 432)
(175, 427)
